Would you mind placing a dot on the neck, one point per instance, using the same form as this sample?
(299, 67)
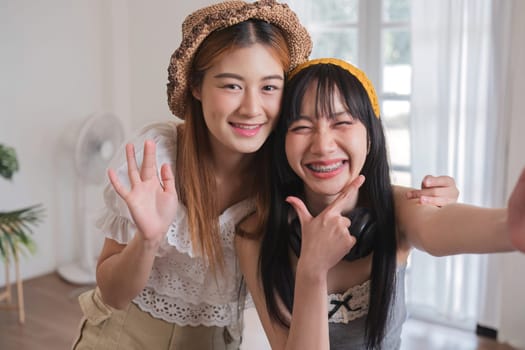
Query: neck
(233, 172)
(231, 165)
(228, 163)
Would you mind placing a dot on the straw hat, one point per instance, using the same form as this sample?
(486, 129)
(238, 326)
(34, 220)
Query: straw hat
(199, 24)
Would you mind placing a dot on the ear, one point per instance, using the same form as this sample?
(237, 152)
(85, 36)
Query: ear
(196, 92)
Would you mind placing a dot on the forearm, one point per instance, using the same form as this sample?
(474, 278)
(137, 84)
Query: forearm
(122, 276)
(459, 228)
(516, 214)
(309, 326)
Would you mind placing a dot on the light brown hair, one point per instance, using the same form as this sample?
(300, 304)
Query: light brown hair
(194, 175)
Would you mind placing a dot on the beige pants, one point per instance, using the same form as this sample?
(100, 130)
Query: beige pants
(132, 329)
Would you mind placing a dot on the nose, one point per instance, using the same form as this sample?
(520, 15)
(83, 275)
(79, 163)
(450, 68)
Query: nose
(251, 104)
(323, 142)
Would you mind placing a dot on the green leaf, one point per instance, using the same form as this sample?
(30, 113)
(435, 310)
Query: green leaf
(16, 228)
(2, 249)
(8, 162)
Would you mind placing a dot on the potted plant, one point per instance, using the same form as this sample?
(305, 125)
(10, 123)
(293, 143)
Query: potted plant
(16, 225)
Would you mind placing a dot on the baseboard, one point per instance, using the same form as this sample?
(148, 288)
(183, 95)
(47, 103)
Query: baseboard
(486, 332)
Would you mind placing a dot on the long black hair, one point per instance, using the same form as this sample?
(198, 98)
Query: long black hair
(376, 194)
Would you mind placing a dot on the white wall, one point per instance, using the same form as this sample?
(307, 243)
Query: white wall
(155, 32)
(512, 266)
(51, 76)
(60, 62)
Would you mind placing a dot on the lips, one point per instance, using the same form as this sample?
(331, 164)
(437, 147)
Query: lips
(326, 169)
(246, 129)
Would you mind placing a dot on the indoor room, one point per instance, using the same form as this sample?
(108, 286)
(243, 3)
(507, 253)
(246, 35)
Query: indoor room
(80, 78)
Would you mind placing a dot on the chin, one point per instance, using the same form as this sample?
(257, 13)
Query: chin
(327, 191)
(249, 149)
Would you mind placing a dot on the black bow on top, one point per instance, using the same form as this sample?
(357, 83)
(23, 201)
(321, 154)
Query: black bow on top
(337, 304)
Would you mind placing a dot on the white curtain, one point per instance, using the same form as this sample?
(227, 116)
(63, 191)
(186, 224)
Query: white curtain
(460, 53)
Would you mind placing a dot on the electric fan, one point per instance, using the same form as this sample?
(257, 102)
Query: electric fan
(98, 139)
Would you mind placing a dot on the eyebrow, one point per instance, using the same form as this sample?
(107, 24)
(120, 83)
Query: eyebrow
(337, 114)
(303, 117)
(238, 77)
(331, 116)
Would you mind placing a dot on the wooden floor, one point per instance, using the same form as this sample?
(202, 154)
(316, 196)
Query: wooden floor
(53, 315)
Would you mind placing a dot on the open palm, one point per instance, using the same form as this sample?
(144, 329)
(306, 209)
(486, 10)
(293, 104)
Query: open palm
(152, 203)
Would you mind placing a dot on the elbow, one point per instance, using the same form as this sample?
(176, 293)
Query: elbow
(114, 303)
(431, 247)
(109, 293)
(437, 253)
(427, 236)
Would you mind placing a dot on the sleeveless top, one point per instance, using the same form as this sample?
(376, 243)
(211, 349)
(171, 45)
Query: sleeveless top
(348, 315)
(181, 288)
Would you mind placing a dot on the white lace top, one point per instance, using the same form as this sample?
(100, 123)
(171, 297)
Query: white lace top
(181, 288)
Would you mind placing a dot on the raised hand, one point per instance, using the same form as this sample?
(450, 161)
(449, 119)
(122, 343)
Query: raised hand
(436, 190)
(325, 239)
(516, 214)
(151, 202)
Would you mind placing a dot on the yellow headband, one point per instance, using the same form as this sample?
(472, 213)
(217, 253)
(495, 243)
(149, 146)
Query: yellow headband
(356, 72)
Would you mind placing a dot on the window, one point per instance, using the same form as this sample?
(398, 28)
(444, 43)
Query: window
(457, 42)
(375, 36)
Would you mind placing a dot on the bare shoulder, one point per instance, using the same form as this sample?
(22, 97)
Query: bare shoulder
(248, 225)
(247, 241)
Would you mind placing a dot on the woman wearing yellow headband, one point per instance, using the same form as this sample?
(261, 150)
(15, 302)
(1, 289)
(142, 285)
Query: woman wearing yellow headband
(339, 235)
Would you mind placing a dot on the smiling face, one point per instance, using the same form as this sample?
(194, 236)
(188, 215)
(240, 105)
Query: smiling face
(325, 147)
(241, 96)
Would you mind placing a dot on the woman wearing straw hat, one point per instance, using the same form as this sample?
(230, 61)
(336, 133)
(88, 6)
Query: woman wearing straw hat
(167, 275)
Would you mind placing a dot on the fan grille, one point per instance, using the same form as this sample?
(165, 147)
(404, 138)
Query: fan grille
(98, 140)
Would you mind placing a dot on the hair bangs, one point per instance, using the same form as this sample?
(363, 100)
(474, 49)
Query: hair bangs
(329, 79)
